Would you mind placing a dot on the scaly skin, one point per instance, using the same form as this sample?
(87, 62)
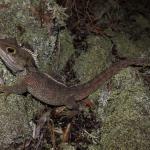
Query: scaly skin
(44, 87)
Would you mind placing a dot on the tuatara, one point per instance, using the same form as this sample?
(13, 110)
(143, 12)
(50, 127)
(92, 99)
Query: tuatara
(44, 87)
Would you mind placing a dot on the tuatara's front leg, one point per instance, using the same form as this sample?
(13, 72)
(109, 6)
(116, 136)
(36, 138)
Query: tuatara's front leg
(18, 88)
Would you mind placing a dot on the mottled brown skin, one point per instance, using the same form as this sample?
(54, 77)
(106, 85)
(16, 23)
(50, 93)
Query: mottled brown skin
(44, 87)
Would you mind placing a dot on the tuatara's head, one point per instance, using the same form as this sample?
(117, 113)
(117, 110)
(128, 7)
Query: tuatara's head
(16, 58)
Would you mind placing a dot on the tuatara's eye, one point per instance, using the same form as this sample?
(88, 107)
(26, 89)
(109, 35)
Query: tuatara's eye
(11, 50)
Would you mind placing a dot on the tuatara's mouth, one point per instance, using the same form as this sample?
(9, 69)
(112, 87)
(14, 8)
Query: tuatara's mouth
(10, 63)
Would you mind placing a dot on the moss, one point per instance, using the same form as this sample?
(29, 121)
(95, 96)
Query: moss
(142, 21)
(94, 147)
(125, 46)
(66, 50)
(92, 62)
(65, 146)
(126, 123)
(129, 48)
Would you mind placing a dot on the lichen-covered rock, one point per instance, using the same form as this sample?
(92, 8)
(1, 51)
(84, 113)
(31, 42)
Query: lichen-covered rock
(127, 114)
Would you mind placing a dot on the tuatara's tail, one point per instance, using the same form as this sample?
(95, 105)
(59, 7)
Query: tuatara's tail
(83, 90)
